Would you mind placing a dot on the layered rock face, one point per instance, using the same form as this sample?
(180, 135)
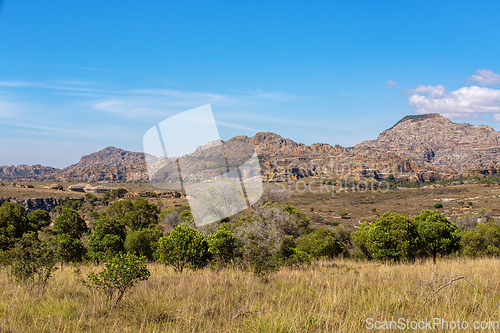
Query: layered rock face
(418, 147)
(432, 139)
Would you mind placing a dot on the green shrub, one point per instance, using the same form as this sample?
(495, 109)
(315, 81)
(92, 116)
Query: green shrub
(39, 219)
(183, 247)
(121, 273)
(119, 193)
(33, 263)
(68, 249)
(436, 233)
(143, 242)
(107, 239)
(320, 243)
(393, 237)
(482, 240)
(438, 205)
(222, 246)
(13, 224)
(69, 222)
(290, 255)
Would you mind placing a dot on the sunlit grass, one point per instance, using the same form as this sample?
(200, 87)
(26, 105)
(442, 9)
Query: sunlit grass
(329, 296)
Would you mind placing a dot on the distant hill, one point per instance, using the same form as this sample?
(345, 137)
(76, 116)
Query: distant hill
(419, 147)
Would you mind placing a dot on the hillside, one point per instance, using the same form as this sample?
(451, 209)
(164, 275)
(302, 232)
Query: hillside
(418, 147)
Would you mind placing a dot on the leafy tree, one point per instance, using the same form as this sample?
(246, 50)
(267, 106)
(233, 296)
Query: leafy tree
(295, 224)
(68, 249)
(437, 234)
(183, 247)
(137, 215)
(107, 238)
(186, 215)
(320, 243)
(119, 209)
(360, 238)
(13, 224)
(69, 222)
(119, 192)
(106, 196)
(290, 255)
(223, 245)
(121, 273)
(143, 242)
(392, 237)
(482, 240)
(39, 219)
(33, 263)
(71, 204)
(263, 234)
(91, 199)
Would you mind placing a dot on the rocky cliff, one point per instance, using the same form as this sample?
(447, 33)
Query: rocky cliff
(418, 147)
(432, 139)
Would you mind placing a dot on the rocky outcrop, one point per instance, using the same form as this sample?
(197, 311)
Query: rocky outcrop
(419, 147)
(432, 139)
(31, 204)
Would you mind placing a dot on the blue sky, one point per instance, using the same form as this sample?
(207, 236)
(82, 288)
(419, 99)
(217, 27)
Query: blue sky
(77, 76)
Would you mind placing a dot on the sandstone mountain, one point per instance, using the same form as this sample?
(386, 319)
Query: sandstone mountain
(418, 147)
(435, 140)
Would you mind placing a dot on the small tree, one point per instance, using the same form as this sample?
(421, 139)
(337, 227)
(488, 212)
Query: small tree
(107, 239)
(121, 273)
(13, 224)
(183, 247)
(222, 245)
(39, 219)
(392, 237)
(320, 243)
(69, 222)
(68, 249)
(119, 192)
(482, 240)
(34, 262)
(436, 233)
(143, 242)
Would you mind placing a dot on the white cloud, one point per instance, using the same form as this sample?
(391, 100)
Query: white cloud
(466, 102)
(392, 84)
(485, 77)
(432, 91)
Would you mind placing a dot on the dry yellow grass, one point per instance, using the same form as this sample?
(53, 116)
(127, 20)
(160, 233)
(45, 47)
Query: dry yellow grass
(330, 296)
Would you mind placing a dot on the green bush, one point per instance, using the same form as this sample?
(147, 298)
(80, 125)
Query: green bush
(119, 193)
(69, 222)
(107, 239)
(290, 255)
(143, 242)
(436, 233)
(13, 224)
(39, 219)
(183, 247)
(121, 273)
(438, 205)
(482, 240)
(222, 246)
(33, 263)
(68, 249)
(320, 243)
(393, 237)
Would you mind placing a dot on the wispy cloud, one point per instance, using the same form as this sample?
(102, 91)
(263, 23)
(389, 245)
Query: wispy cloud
(485, 77)
(261, 94)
